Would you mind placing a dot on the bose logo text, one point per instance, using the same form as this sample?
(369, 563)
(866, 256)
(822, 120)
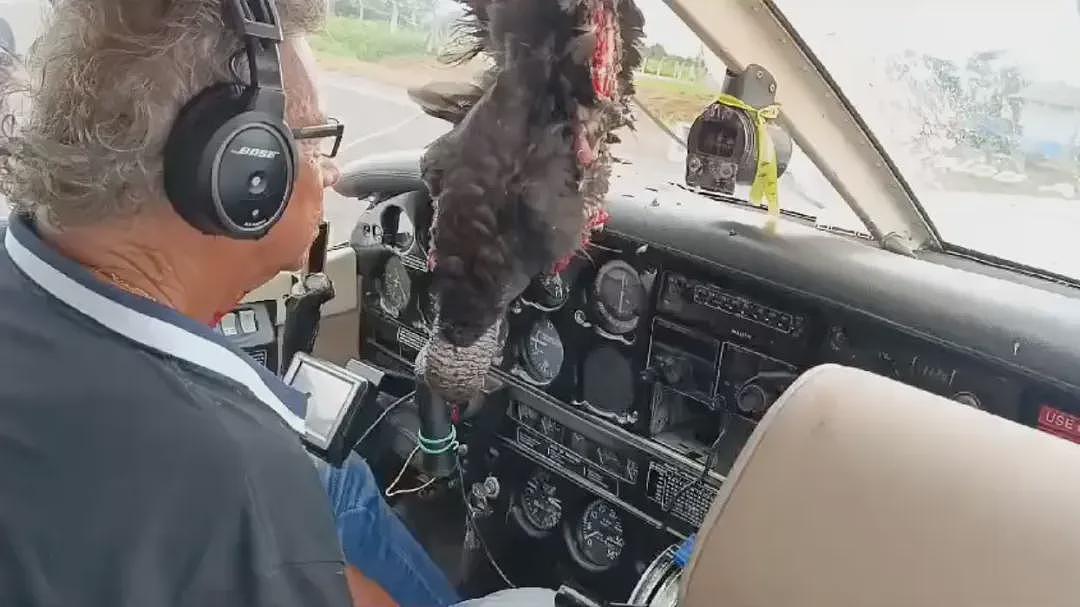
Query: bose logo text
(255, 152)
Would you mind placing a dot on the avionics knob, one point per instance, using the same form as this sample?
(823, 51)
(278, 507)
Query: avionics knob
(752, 399)
(967, 398)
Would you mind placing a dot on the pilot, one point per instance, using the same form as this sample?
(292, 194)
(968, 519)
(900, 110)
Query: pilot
(143, 460)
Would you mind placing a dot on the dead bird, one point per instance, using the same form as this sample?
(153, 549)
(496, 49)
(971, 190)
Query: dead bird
(519, 183)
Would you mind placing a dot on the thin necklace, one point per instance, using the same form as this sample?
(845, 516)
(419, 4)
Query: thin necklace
(123, 284)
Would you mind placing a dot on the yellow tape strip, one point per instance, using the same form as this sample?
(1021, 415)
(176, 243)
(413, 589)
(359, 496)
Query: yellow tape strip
(765, 180)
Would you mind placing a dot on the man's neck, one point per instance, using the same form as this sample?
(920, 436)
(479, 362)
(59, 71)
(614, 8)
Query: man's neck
(164, 262)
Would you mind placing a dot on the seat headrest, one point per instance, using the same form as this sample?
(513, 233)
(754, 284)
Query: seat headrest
(858, 491)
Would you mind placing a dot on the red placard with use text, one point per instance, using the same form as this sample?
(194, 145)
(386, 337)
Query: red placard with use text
(1059, 423)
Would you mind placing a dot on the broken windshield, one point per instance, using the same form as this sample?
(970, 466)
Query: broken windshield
(978, 104)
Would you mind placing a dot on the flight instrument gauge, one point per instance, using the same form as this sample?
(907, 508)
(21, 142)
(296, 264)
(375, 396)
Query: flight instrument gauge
(542, 352)
(597, 540)
(541, 507)
(395, 287)
(548, 292)
(618, 297)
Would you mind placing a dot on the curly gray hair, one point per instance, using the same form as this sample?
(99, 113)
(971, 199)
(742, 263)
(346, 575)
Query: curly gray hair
(107, 79)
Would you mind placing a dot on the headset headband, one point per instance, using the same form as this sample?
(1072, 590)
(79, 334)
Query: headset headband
(258, 24)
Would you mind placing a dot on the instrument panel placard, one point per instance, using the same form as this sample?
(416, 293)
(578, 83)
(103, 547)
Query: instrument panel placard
(667, 482)
(544, 437)
(1059, 423)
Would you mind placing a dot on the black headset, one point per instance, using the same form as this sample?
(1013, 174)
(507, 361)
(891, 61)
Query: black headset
(230, 160)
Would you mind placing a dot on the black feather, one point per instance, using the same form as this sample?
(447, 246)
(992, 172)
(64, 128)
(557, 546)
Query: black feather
(471, 32)
(632, 32)
(504, 178)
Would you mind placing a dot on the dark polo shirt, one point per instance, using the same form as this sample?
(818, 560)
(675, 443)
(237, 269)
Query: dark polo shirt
(144, 461)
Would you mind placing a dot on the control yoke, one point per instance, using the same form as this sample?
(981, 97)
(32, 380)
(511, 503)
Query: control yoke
(437, 436)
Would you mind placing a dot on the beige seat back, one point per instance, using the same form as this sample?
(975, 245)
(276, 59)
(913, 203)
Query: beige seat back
(857, 491)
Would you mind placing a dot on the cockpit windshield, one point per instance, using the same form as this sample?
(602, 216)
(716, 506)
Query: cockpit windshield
(977, 103)
(680, 77)
(373, 51)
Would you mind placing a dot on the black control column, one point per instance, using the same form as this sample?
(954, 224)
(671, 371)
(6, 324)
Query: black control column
(303, 307)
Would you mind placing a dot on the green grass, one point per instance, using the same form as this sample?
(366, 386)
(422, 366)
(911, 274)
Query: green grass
(368, 40)
(674, 87)
(674, 100)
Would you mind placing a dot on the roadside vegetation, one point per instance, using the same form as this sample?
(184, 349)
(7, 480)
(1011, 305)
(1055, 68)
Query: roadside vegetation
(674, 101)
(373, 41)
(404, 54)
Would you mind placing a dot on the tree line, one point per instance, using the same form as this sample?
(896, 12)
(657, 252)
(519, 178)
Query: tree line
(658, 61)
(409, 13)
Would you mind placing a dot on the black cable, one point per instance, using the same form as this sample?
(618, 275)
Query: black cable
(471, 519)
(710, 459)
(383, 415)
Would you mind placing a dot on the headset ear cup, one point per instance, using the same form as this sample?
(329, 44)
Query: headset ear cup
(229, 167)
(185, 156)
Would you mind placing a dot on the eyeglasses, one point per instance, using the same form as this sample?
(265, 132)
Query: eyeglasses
(326, 136)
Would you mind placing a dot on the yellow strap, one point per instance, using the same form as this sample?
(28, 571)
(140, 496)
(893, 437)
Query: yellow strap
(765, 180)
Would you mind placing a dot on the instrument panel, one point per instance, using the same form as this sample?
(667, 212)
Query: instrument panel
(632, 380)
(662, 350)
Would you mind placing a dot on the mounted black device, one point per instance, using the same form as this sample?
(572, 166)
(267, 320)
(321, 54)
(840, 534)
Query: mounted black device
(722, 147)
(230, 160)
(336, 396)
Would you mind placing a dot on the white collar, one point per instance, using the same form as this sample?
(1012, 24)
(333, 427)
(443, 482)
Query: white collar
(148, 323)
